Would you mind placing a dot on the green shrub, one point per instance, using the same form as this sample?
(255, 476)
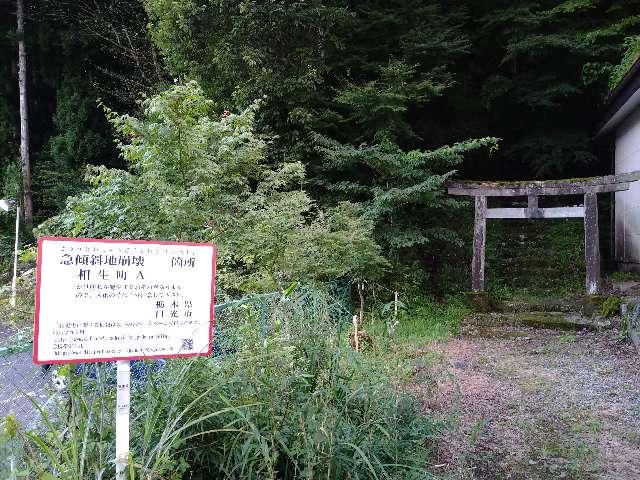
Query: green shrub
(195, 175)
(294, 403)
(28, 255)
(610, 307)
(19, 317)
(630, 54)
(530, 258)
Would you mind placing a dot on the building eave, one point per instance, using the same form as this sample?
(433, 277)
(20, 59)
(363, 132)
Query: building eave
(622, 100)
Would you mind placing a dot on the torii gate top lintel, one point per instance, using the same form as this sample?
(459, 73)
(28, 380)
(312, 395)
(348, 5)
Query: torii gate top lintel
(589, 187)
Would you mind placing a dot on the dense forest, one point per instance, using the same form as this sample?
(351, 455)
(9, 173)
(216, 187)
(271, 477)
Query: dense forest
(331, 138)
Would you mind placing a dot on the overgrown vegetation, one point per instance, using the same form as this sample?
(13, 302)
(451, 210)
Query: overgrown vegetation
(535, 260)
(631, 54)
(380, 102)
(312, 142)
(194, 177)
(296, 402)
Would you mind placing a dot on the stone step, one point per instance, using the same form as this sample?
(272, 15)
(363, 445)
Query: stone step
(539, 319)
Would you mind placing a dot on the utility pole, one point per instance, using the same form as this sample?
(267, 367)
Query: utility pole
(25, 162)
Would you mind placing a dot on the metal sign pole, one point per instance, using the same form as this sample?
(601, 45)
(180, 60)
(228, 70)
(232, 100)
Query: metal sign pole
(123, 399)
(14, 281)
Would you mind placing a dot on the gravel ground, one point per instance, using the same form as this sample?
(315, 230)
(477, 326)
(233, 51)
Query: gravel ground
(535, 404)
(21, 380)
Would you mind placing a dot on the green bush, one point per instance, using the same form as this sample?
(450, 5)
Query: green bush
(195, 175)
(296, 403)
(19, 317)
(610, 307)
(630, 54)
(529, 258)
(419, 319)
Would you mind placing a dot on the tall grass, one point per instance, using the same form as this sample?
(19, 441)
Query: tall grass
(419, 319)
(294, 403)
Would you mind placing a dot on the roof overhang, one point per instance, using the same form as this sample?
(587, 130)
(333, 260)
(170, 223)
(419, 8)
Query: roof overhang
(623, 100)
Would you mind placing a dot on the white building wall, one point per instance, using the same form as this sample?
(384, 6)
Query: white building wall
(627, 208)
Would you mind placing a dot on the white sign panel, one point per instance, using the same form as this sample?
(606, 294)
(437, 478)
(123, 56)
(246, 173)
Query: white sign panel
(104, 300)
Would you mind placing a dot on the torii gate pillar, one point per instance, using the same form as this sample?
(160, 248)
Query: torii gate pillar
(591, 243)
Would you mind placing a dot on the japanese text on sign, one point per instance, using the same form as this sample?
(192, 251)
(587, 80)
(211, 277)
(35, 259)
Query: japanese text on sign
(116, 300)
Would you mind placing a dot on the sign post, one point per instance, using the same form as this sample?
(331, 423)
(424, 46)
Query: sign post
(14, 279)
(122, 300)
(123, 399)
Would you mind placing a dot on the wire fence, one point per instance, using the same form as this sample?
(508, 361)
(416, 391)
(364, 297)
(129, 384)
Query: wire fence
(26, 388)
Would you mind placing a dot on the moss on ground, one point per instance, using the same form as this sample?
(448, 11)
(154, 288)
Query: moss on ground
(534, 259)
(610, 307)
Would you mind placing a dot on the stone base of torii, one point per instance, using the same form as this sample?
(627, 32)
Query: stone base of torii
(588, 187)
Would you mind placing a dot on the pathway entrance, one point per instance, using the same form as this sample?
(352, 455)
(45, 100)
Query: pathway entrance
(536, 404)
(589, 188)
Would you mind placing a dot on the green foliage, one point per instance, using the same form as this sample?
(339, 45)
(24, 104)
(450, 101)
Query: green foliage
(403, 192)
(28, 255)
(380, 83)
(10, 447)
(245, 43)
(19, 317)
(9, 178)
(611, 306)
(8, 140)
(377, 109)
(104, 46)
(80, 445)
(420, 319)
(619, 276)
(338, 102)
(79, 141)
(241, 50)
(366, 96)
(542, 150)
(295, 404)
(534, 259)
(629, 57)
(199, 177)
(545, 65)
(370, 148)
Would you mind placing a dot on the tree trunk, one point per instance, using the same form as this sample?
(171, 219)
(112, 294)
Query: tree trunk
(25, 162)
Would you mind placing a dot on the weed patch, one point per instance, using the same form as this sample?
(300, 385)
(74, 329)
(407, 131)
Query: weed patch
(297, 402)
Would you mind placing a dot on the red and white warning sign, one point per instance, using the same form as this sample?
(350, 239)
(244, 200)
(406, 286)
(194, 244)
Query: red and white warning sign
(104, 300)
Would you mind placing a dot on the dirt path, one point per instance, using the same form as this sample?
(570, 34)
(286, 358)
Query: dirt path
(536, 404)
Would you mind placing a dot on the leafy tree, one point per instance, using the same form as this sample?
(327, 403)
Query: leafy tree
(544, 72)
(240, 50)
(10, 180)
(374, 152)
(630, 56)
(78, 51)
(376, 99)
(80, 140)
(105, 43)
(340, 102)
(272, 48)
(8, 146)
(198, 176)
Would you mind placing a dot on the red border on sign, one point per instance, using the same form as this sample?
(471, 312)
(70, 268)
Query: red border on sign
(136, 357)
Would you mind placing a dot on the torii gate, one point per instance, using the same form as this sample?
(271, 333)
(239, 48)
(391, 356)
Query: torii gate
(589, 187)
